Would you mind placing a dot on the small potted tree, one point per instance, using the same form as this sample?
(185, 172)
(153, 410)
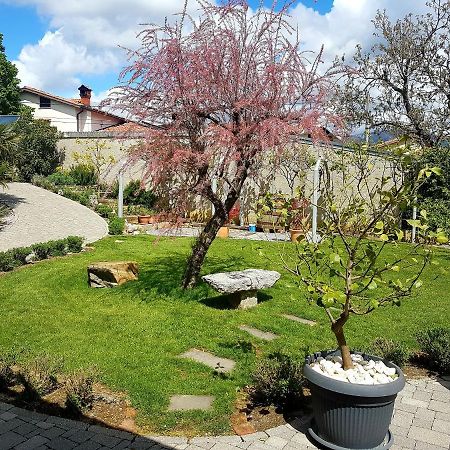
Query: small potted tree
(351, 275)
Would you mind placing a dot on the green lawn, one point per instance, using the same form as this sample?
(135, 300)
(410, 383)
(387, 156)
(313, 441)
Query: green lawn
(135, 332)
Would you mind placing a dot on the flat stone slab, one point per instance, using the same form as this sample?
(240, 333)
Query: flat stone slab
(265, 335)
(299, 319)
(242, 280)
(221, 365)
(190, 402)
(112, 273)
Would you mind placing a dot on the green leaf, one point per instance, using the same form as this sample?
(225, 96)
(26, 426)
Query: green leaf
(417, 284)
(441, 238)
(384, 237)
(414, 223)
(400, 234)
(437, 171)
(423, 213)
(395, 268)
(372, 285)
(374, 303)
(335, 258)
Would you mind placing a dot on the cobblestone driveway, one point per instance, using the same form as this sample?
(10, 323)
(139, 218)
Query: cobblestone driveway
(421, 422)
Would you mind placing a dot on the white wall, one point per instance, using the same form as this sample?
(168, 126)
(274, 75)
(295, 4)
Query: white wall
(64, 117)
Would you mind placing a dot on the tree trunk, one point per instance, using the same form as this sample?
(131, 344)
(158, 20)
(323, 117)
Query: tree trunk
(338, 331)
(200, 248)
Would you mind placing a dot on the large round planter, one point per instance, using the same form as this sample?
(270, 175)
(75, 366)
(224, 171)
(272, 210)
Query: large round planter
(223, 232)
(351, 416)
(297, 235)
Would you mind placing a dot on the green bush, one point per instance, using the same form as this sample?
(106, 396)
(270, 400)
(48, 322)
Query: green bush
(61, 178)
(39, 376)
(435, 343)
(57, 248)
(19, 254)
(43, 182)
(7, 261)
(390, 350)
(104, 210)
(438, 213)
(134, 195)
(83, 175)
(41, 250)
(116, 225)
(277, 380)
(74, 244)
(79, 391)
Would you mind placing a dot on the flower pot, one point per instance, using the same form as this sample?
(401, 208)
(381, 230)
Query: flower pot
(144, 219)
(351, 416)
(297, 235)
(223, 232)
(132, 219)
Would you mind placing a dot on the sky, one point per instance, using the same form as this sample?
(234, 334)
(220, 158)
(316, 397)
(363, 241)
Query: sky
(59, 44)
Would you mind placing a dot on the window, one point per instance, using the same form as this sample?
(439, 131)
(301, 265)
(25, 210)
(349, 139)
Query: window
(44, 102)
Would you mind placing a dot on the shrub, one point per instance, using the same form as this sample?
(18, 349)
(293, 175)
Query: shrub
(7, 261)
(41, 250)
(134, 195)
(61, 178)
(278, 381)
(43, 182)
(390, 350)
(83, 175)
(74, 244)
(435, 343)
(79, 390)
(116, 225)
(19, 254)
(57, 248)
(437, 213)
(104, 210)
(39, 376)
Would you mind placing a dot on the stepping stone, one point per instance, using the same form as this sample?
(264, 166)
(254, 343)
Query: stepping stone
(189, 402)
(221, 365)
(299, 319)
(266, 335)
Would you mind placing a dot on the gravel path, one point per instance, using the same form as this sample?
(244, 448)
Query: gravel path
(421, 422)
(39, 216)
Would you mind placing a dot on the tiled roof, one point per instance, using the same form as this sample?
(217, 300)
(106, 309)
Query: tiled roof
(126, 128)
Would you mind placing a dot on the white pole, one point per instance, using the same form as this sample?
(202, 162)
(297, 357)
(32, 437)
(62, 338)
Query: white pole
(214, 189)
(414, 216)
(120, 199)
(315, 199)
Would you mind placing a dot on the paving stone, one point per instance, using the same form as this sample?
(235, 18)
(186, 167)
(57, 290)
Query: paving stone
(422, 395)
(67, 423)
(168, 440)
(53, 432)
(142, 443)
(414, 402)
(10, 425)
(7, 416)
(89, 445)
(265, 335)
(402, 419)
(404, 441)
(32, 443)
(5, 406)
(436, 405)
(424, 413)
(219, 364)
(203, 442)
(190, 402)
(224, 446)
(398, 431)
(299, 319)
(405, 407)
(441, 426)
(59, 443)
(425, 446)
(276, 442)
(260, 435)
(422, 423)
(79, 436)
(111, 432)
(429, 436)
(442, 416)
(10, 440)
(107, 441)
(45, 425)
(25, 428)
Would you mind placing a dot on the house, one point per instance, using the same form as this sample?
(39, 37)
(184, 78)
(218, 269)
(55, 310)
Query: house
(67, 114)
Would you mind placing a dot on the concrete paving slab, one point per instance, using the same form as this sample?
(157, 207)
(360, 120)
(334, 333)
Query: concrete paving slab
(190, 402)
(299, 319)
(221, 365)
(265, 335)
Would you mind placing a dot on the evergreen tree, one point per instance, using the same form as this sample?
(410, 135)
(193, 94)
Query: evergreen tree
(9, 84)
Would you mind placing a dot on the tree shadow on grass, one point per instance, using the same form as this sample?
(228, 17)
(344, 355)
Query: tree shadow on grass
(226, 301)
(163, 276)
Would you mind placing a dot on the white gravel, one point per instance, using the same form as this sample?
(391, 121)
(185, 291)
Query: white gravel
(39, 216)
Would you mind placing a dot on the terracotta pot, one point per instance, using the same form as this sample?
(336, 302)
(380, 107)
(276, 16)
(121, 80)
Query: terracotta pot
(144, 219)
(297, 235)
(223, 232)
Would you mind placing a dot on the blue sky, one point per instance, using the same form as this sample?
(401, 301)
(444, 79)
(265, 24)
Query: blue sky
(59, 44)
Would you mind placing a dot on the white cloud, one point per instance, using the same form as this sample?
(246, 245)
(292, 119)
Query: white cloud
(89, 33)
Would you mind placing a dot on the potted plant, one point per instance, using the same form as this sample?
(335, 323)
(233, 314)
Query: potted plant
(353, 394)
(299, 223)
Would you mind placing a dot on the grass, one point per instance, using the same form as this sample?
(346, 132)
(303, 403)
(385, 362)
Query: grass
(134, 333)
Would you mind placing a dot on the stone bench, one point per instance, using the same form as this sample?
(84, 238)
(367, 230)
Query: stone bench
(242, 285)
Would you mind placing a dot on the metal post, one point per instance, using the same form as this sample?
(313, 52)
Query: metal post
(120, 199)
(315, 199)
